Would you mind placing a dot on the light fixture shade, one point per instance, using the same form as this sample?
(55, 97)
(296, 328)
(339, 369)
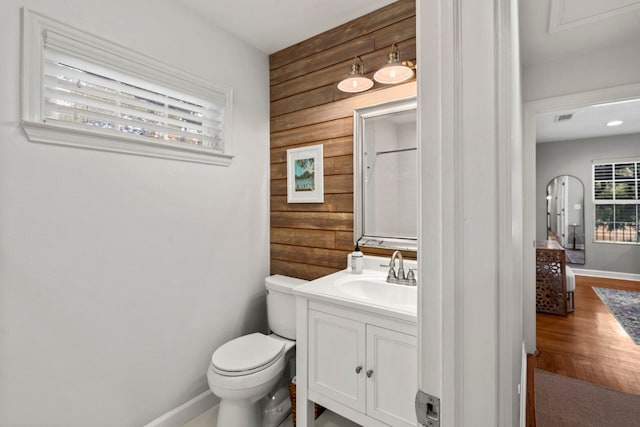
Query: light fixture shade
(395, 71)
(356, 82)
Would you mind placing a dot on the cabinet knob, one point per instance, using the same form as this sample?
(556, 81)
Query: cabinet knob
(358, 369)
(369, 373)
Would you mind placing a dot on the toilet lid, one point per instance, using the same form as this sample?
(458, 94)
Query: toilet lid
(247, 354)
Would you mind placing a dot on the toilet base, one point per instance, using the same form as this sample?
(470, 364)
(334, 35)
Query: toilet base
(277, 406)
(234, 413)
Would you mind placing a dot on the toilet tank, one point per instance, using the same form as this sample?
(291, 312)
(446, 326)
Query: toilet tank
(281, 304)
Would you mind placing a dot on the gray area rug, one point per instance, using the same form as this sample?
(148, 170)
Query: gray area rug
(567, 402)
(574, 256)
(625, 306)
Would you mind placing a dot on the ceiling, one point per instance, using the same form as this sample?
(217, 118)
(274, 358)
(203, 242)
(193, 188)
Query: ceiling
(556, 29)
(272, 25)
(549, 30)
(588, 122)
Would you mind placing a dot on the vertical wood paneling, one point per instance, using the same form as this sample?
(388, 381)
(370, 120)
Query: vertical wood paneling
(312, 240)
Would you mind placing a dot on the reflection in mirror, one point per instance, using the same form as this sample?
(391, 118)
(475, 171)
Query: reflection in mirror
(385, 179)
(565, 216)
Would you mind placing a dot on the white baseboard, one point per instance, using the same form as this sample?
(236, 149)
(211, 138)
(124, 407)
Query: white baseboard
(184, 413)
(606, 274)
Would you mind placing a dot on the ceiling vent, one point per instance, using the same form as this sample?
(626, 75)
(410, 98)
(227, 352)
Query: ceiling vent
(563, 117)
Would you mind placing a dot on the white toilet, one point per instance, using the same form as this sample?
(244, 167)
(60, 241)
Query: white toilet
(246, 369)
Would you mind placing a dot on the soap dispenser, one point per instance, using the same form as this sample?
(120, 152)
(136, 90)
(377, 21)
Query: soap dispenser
(357, 261)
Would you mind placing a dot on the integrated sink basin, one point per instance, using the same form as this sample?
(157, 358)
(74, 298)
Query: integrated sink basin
(375, 290)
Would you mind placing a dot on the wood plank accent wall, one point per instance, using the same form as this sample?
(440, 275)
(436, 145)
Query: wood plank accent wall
(310, 240)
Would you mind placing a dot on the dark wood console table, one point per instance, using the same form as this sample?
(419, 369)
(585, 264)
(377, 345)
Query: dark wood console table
(551, 288)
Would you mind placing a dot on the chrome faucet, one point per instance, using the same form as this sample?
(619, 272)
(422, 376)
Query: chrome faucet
(400, 278)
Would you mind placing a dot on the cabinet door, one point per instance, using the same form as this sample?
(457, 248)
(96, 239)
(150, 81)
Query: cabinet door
(392, 359)
(336, 351)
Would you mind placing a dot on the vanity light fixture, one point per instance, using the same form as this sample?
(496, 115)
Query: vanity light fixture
(356, 82)
(395, 71)
(614, 123)
(392, 73)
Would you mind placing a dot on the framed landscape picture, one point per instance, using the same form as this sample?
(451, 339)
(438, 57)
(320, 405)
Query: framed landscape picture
(305, 177)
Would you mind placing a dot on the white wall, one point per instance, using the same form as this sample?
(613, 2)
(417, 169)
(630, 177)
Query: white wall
(584, 72)
(120, 274)
(575, 158)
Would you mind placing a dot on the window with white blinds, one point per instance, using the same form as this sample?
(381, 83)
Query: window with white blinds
(103, 95)
(616, 197)
(79, 92)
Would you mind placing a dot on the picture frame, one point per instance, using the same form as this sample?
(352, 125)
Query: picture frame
(305, 175)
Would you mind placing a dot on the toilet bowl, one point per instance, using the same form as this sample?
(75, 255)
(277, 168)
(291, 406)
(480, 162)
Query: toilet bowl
(244, 370)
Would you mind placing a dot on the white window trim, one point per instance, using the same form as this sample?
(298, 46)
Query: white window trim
(613, 202)
(38, 29)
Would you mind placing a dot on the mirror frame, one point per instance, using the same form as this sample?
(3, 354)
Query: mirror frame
(584, 237)
(359, 117)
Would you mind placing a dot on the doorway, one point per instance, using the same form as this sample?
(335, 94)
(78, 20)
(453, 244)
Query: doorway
(530, 219)
(530, 216)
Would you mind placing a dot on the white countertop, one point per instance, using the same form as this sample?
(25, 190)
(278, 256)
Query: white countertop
(328, 289)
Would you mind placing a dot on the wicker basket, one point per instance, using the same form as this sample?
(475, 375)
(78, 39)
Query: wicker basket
(317, 409)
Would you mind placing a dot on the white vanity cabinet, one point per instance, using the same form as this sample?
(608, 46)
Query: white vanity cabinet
(392, 359)
(360, 365)
(337, 358)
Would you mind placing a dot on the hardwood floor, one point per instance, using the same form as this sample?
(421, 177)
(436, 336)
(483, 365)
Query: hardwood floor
(588, 344)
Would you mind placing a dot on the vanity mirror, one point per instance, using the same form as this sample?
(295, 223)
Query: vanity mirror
(385, 175)
(565, 216)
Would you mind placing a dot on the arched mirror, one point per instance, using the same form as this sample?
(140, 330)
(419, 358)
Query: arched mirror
(565, 216)
(386, 178)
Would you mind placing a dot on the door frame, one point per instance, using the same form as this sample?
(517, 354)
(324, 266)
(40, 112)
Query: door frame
(470, 306)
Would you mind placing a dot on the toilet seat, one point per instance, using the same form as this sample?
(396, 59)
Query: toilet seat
(247, 355)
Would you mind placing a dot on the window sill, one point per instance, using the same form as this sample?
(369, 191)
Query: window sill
(613, 242)
(95, 139)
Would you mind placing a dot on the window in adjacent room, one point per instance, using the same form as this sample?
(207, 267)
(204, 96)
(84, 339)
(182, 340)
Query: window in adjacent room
(84, 91)
(616, 197)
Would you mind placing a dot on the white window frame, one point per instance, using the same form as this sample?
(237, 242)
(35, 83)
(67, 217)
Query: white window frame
(614, 202)
(40, 31)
